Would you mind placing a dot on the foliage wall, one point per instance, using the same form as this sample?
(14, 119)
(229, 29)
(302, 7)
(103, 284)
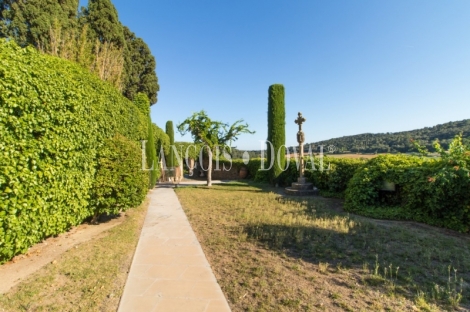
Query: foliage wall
(432, 191)
(54, 118)
(334, 178)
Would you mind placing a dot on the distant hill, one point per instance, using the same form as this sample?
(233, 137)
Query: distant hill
(397, 141)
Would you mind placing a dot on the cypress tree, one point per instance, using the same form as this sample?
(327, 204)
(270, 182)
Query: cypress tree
(103, 19)
(276, 131)
(142, 102)
(171, 134)
(151, 154)
(31, 22)
(162, 141)
(139, 68)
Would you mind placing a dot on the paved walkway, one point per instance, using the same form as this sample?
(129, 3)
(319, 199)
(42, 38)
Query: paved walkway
(169, 271)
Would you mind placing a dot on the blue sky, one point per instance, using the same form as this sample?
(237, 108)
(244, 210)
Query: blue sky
(349, 66)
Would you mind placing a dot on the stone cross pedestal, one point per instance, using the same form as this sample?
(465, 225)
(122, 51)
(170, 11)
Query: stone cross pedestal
(301, 187)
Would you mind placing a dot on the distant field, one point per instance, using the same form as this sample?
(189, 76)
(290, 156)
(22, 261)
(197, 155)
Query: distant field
(367, 156)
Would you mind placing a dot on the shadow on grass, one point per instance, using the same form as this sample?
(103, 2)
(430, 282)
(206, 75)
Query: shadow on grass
(412, 260)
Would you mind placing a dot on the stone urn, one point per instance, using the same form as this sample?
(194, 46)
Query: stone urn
(243, 173)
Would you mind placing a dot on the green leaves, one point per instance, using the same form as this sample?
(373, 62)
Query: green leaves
(54, 119)
(276, 131)
(429, 190)
(120, 182)
(211, 133)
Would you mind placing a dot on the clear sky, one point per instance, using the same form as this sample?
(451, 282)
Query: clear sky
(349, 66)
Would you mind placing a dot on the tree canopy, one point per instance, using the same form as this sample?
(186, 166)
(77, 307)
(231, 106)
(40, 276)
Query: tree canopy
(212, 133)
(93, 37)
(139, 68)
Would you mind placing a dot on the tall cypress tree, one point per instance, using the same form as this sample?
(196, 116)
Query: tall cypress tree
(170, 131)
(4, 21)
(102, 17)
(162, 141)
(151, 156)
(276, 131)
(139, 68)
(142, 102)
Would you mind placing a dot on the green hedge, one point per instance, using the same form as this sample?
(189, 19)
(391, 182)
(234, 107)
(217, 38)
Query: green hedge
(120, 183)
(333, 179)
(54, 117)
(432, 191)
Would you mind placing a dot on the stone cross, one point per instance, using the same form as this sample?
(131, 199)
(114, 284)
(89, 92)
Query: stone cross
(300, 120)
(300, 139)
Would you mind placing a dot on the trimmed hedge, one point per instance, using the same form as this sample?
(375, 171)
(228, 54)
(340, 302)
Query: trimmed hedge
(333, 179)
(432, 191)
(120, 183)
(54, 117)
(276, 132)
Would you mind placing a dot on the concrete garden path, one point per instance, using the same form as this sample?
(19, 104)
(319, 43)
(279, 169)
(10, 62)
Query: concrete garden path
(169, 271)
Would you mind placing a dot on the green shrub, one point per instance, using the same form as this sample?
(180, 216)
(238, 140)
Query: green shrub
(276, 131)
(120, 183)
(54, 117)
(193, 150)
(333, 179)
(291, 174)
(432, 191)
(254, 171)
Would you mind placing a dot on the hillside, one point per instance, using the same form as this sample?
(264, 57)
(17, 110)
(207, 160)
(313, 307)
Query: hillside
(398, 141)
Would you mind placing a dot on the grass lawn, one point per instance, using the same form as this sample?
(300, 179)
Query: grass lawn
(90, 277)
(273, 253)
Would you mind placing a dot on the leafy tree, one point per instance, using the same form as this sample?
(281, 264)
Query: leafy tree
(30, 22)
(211, 134)
(104, 23)
(276, 131)
(139, 68)
(170, 131)
(5, 20)
(93, 37)
(107, 32)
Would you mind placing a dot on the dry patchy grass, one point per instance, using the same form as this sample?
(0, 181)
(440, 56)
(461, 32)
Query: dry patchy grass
(90, 277)
(273, 253)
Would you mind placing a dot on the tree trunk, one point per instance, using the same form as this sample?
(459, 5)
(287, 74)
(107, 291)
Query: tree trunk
(95, 218)
(209, 168)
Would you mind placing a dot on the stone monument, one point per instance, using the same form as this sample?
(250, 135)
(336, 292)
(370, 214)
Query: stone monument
(301, 187)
